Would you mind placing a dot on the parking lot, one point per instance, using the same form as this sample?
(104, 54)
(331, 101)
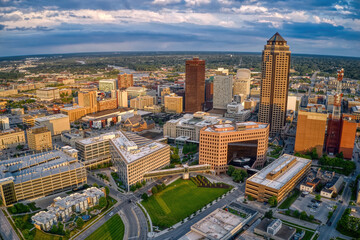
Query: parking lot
(320, 211)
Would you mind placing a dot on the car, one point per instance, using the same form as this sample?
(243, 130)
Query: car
(111, 213)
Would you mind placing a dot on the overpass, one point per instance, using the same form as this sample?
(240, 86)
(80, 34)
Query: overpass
(185, 170)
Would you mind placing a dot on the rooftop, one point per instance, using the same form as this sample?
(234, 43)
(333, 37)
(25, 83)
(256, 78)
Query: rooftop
(277, 38)
(72, 108)
(51, 117)
(238, 126)
(281, 164)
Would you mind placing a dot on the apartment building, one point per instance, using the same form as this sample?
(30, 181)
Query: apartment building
(39, 138)
(57, 123)
(278, 178)
(11, 138)
(242, 144)
(141, 102)
(48, 94)
(173, 103)
(75, 112)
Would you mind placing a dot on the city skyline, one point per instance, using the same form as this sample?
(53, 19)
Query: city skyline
(46, 27)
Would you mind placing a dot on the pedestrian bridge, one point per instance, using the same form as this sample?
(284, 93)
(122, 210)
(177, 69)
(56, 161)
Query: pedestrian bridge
(185, 170)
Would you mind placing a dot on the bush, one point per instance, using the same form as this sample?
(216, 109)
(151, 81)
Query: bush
(80, 223)
(273, 201)
(154, 190)
(102, 202)
(269, 214)
(144, 197)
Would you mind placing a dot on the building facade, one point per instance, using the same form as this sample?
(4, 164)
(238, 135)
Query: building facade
(88, 100)
(48, 94)
(75, 112)
(222, 91)
(238, 143)
(274, 83)
(56, 123)
(11, 138)
(194, 85)
(141, 102)
(242, 82)
(125, 80)
(107, 85)
(347, 137)
(39, 138)
(4, 123)
(310, 132)
(122, 98)
(173, 103)
(278, 178)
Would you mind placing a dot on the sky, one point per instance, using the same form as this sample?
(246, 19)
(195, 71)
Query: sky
(323, 27)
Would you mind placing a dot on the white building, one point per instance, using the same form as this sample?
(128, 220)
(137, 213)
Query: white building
(237, 112)
(242, 82)
(107, 85)
(291, 103)
(4, 123)
(222, 91)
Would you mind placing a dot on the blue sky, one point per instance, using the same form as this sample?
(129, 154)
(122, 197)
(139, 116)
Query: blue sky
(326, 27)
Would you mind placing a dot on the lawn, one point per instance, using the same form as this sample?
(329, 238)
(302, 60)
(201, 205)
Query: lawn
(290, 200)
(45, 236)
(112, 229)
(178, 201)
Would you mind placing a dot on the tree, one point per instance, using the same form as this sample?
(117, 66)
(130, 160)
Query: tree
(80, 223)
(144, 197)
(102, 202)
(317, 197)
(132, 188)
(230, 170)
(296, 213)
(159, 188)
(95, 185)
(311, 217)
(273, 201)
(54, 229)
(138, 185)
(143, 182)
(269, 214)
(163, 186)
(303, 215)
(19, 223)
(107, 190)
(154, 190)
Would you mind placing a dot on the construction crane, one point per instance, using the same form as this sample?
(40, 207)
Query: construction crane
(338, 95)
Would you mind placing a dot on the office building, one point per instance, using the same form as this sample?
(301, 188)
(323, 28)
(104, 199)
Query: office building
(56, 123)
(188, 127)
(278, 178)
(134, 92)
(347, 137)
(237, 112)
(48, 93)
(122, 97)
(125, 80)
(8, 92)
(239, 144)
(194, 85)
(209, 94)
(164, 92)
(107, 104)
(107, 85)
(141, 102)
(88, 100)
(291, 103)
(222, 91)
(274, 229)
(39, 138)
(17, 111)
(106, 118)
(274, 83)
(134, 156)
(75, 112)
(173, 103)
(40, 175)
(11, 138)
(63, 208)
(4, 123)
(242, 82)
(310, 132)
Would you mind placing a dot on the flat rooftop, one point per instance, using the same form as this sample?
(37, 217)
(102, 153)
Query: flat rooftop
(107, 112)
(51, 117)
(131, 151)
(100, 138)
(234, 127)
(279, 165)
(72, 108)
(39, 165)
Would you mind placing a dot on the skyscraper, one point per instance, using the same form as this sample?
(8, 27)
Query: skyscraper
(274, 83)
(222, 91)
(194, 85)
(242, 82)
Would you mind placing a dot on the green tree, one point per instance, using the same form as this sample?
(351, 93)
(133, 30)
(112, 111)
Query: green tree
(317, 197)
(296, 213)
(303, 215)
(19, 223)
(230, 170)
(311, 217)
(144, 197)
(159, 188)
(273, 201)
(133, 188)
(269, 214)
(95, 185)
(102, 202)
(80, 223)
(107, 190)
(138, 185)
(54, 229)
(154, 190)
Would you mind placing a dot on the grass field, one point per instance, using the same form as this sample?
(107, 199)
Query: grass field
(178, 201)
(44, 236)
(290, 199)
(112, 229)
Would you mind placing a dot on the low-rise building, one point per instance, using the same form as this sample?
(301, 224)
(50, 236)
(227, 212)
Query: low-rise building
(278, 178)
(39, 138)
(141, 102)
(107, 118)
(274, 229)
(133, 156)
(39, 175)
(57, 123)
(137, 124)
(75, 112)
(107, 85)
(8, 92)
(4, 123)
(136, 91)
(17, 111)
(11, 138)
(107, 104)
(236, 111)
(63, 208)
(48, 93)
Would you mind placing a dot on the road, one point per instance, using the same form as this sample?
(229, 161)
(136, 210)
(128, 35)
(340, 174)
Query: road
(7, 232)
(326, 232)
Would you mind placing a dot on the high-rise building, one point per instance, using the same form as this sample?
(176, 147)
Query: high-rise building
(125, 80)
(239, 144)
(194, 85)
(310, 132)
(222, 91)
(88, 99)
(209, 94)
(173, 103)
(39, 138)
(274, 83)
(122, 98)
(242, 82)
(347, 137)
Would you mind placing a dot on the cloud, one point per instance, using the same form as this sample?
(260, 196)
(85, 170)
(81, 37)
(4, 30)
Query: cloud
(165, 2)
(196, 2)
(2, 26)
